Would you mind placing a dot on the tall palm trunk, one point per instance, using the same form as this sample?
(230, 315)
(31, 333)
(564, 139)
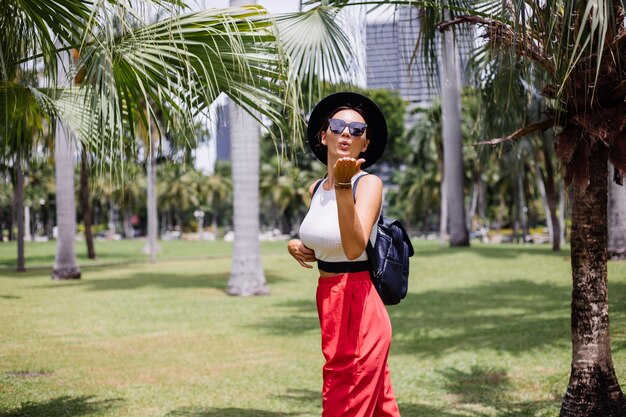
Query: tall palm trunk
(128, 226)
(549, 205)
(452, 141)
(443, 211)
(65, 266)
(28, 235)
(85, 206)
(593, 387)
(19, 211)
(153, 216)
(562, 211)
(551, 194)
(617, 218)
(246, 276)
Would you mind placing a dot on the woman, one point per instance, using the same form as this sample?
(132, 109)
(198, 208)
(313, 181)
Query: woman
(347, 131)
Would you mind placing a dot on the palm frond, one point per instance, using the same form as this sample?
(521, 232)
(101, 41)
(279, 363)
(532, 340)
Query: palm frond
(319, 48)
(176, 67)
(23, 110)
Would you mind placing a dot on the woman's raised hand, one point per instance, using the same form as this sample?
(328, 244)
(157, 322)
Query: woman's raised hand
(345, 168)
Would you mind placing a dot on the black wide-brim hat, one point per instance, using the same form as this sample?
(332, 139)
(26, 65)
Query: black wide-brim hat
(374, 118)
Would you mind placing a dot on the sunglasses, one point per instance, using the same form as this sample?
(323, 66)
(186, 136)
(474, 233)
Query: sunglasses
(337, 126)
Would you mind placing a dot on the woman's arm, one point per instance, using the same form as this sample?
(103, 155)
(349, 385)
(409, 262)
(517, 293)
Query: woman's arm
(356, 220)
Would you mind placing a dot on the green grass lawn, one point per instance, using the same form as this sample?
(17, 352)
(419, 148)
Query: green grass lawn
(483, 332)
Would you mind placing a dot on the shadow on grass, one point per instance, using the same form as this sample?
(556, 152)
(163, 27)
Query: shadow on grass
(302, 396)
(133, 281)
(492, 251)
(513, 316)
(225, 412)
(300, 317)
(62, 407)
(148, 279)
(421, 410)
(480, 392)
(490, 388)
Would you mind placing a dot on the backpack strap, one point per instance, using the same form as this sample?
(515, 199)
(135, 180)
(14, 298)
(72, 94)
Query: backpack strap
(317, 185)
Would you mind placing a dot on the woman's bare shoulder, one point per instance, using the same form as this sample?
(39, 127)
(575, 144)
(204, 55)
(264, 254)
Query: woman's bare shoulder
(369, 184)
(371, 180)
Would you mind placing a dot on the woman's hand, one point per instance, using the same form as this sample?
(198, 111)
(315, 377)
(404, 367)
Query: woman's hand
(346, 168)
(301, 253)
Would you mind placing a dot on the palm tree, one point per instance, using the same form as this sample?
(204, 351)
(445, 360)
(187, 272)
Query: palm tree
(581, 76)
(453, 172)
(85, 204)
(65, 265)
(178, 65)
(246, 275)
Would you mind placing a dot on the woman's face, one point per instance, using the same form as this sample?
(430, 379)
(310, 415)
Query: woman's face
(344, 144)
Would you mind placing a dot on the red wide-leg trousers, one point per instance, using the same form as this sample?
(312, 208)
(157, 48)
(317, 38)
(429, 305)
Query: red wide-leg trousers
(356, 334)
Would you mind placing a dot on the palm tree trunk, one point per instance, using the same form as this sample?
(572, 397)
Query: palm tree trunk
(550, 220)
(476, 190)
(452, 141)
(522, 206)
(593, 387)
(28, 235)
(19, 210)
(617, 218)
(10, 220)
(65, 266)
(443, 212)
(128, 226)
(246, 276)
(153, 221)
(562, 211)
(551, 193)
(200, 217)
(113, 216)
(85, 206)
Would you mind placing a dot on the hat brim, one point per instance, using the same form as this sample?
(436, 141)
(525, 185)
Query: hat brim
(374, 118)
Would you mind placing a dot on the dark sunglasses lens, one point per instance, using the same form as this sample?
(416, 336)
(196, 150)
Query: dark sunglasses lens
(357, 130)
(336, 126)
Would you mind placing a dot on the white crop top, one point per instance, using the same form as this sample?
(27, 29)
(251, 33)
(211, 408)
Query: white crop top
(319, 230)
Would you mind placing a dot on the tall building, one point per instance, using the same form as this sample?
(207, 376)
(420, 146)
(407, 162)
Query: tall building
(394, 63)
